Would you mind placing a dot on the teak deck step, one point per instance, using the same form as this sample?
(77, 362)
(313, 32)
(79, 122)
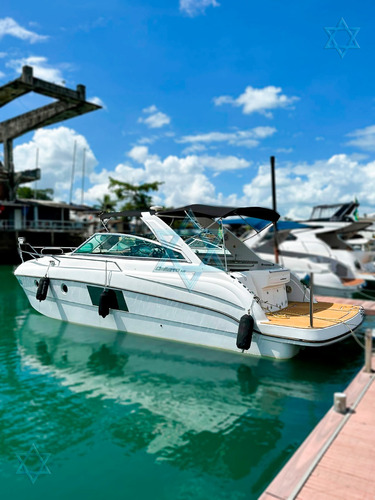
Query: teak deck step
(354, 282)
(297, 314)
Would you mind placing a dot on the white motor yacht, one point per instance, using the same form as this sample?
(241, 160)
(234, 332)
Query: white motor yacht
(330, 276)
(209, 289)
(326, 236)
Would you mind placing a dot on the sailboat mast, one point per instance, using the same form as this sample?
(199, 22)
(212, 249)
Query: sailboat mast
(275, 242)
(73, 168)
(83, 174)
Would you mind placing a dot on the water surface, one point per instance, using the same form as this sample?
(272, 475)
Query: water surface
(125, 416)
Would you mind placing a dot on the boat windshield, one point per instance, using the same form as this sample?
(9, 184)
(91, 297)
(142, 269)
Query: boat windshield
(201, 244)
(202, 239)
(126, 246)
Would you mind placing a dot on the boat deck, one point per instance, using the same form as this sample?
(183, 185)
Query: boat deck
(297, 314)
(354, 282)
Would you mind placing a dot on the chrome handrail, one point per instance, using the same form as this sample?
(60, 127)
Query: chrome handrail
(75, 257)
(37, 251)
(35, 254)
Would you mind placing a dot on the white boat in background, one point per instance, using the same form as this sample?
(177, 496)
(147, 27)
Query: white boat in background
(336, 226)
(331, 277)
(209, 289)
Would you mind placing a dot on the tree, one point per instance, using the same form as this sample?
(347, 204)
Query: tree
(136, 197)
(106, 204)
(35, 194)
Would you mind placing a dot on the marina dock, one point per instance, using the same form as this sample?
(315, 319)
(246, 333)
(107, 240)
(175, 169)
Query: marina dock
(337, 459)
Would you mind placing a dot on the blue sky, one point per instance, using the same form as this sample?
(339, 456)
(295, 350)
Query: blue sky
(198, 94)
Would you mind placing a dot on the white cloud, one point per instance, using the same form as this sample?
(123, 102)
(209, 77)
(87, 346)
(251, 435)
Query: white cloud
(156, 119)
(363, 138)
(185, 178)
(41, 68)
(223, 163)
(9, 26)
(301, 186)
(190, 179)
(55, 158)
(258, 100)
(194, 148)
(284, 150)
(148, 140)
(98, 101)
(150, 109)
(139, 153)
(247, 138)
(155, 137)
(195, 7)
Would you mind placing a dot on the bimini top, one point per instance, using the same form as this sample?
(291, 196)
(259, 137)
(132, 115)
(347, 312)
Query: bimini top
(259, 224)
(214, 212)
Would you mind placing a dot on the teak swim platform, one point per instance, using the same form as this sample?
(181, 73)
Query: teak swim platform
(297, 314)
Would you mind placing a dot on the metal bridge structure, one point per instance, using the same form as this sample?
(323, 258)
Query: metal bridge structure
(68, 103)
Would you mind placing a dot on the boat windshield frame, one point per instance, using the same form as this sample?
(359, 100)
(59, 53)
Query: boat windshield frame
(128, 246)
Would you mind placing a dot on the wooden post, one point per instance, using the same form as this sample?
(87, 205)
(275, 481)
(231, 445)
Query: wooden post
(368, 350)
(273, 181)
(311, 299)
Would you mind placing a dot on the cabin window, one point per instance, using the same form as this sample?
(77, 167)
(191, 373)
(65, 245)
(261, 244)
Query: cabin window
(290, 237)
(127, 246)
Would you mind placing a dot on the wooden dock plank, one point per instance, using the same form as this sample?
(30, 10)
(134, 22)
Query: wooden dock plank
(343, 468)
(336, 484)
(347, 469)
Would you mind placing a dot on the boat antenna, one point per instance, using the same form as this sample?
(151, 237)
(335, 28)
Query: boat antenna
(36, 166)
(275, 243)
(73, 168)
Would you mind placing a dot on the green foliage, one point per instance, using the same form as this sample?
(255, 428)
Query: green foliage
(31, 194)
(135, 197)
(106, 204)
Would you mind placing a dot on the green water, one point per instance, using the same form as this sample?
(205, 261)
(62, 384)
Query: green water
(128, 417)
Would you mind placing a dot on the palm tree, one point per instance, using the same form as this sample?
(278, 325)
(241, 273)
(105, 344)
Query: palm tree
(106, 204)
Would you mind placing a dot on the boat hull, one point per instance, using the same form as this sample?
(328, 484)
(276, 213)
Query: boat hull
(162, 305)
(183, 322)
(344, 292)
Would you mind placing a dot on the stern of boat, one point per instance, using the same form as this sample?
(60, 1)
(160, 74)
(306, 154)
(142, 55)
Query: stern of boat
(329, 322)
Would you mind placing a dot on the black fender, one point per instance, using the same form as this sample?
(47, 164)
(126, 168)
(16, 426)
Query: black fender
(245, 332)
(42, 290)
(106, 302)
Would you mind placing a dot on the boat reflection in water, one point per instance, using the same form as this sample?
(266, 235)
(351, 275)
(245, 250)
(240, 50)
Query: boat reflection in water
(192, 407)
